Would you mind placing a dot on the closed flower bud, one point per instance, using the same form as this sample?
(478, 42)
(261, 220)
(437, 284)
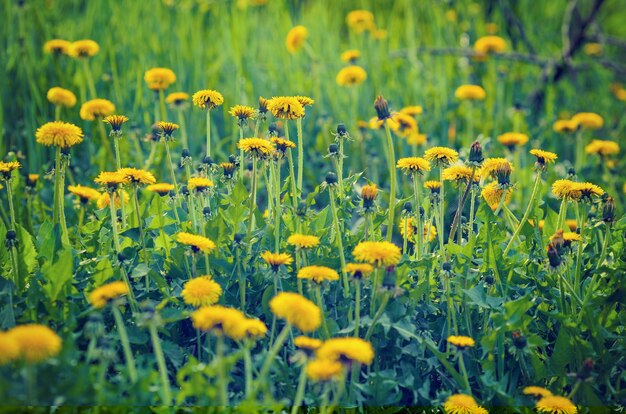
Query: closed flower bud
(301, 209)
(446, 266)
(185, 153)
(571, 172)
(184, 190)
(331, 178)
(407, 208)
(208, 160)
(382, 108)
(333, 149)
(341, 130)
(476, 154)
(553, 256)
(11, 235)
(273, 129)
(206, 211)
(608, 210)
(120, 257)
(519, 340)
(233, 159)
(586, 369)
(503, 174)
(238, 238)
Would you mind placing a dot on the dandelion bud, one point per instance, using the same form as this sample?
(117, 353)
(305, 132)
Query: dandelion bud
(422, 211)
(608, 210)
(94, 327)
(233, 159)
(172, 194)
(207, 160)
(238, 238)
(206, 212)
(368, 194)
(341, 130)
(571, 172)
(557, 239)
(272, 130)
(476, 154)
(503, 174)
(331, 178)
(148, 309)
(447, 267)
(11, 235)
(333, 149)
(301, 209)
(489, 278)
(382, 108)
(586, 369)
(184, 190)
(120, 257)
(407, 208)
(185, 153)
(553, 256)
(249, 166)
(389, 280)
(519, 340)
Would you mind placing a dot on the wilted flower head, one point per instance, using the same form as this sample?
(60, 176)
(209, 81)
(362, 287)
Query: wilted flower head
(382, 108)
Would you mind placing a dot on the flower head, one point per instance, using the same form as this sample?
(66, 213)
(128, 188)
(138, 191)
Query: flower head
(303, 241)
(36, 342)
(60, 134)
(491, 165)
(96, 108)
(318, 274)
(490, 44)
(282, 145)
(470, 93)
(350, 56)
(493, 194)
(199, 184)
(137, 176)
(285, 107)
(201, 291)
(381, 253)
(305, 342)
(543, 157)
(167, 129)
(565, 126)
(57, 47)
(61, 97)
(111, 179)
(6, 168)
(360, 20)
(85, 194)
(242, 113)
(296, 310)
(588, 190)
(369, 192)
(160, 188)
(346, 350)
(461, 404)
(159, 79)
(602, 147)
(101, 296)
(116, 122)
(430, 231)
(359, 270)
(553, 404)
(458, 173)
(441, 155)
(588, 120)
(513, 139)
(219, 320)
(256, 147)
(177, 98)
(415, 165)
(275, 260)
(565, 189)
(105, 199)
(197, 243)
(432, 185)
(296, 38)
(9, 348)
(324, 369)
(412, 110)
(461, 341)
(403, 124)
(207, 99)
(252, 329)
(351, 75)
(84, 48)
(536, 391)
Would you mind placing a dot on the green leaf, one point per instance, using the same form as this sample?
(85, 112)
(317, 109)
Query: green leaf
(58, 273)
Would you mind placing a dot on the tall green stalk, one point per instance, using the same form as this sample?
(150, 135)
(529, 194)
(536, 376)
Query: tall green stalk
(128, 353)
(529, 208)
(300, 155)
(339, 239)
(166, 393)
(392, 178)
(252, 205)
(118, 162)
(297, 401)
(208, 132)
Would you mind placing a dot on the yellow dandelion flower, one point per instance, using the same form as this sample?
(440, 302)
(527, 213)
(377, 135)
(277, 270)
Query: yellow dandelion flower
(369, 192)
(137, 176)
(253, 329)
(285, 107)
(490, 44)
(160, 188)
(115, 121)
(565, 189)
(96, 108)
(207, 99)
(159, 79)
(60, 134)
(296, 310)
(219, 320)
(544, 157)
(228, 169)
(459, 173)
(275, 260)
(360, 20)
(57, 47)
(61, 97)
(492, 195)
(461, 404)
(602, 147)
(470, 93)
(305, 342)
(359, 270)
(197, 243)
(491, 165)
(381, 253)
(111, 178)
(430, 231)
(167, 128)
(588, 190)
(105, 199)
(346, 350)
(324, 370)
(99, 297)
(433, 186)
(303, 241)
(461, 341)
(593, 49)
(588, 120)
(571, 224)
(565, 126)
(441, 155)
(536, 391)
(84, 193)
(7, 168)
(201, 291)
(33, 178)
(375, 123)
(318, 274)
(36, 342)
(553, 404)
(177, 98)
(199, 184)
(9, 348)
(350, 56)
(242, 112)
(403, 124)
(415, 165)
(304, 100)
(296, 38)
(415, 138)
(84, 48)
(412, 110)
(282, 145)
(571, 237)
(256, 147)
(351, 75)
(513, 139)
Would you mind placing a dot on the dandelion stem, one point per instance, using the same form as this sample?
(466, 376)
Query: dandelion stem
(392, 178)
(457, 216)
(562, 214)
(241, 155)
(418, 217)
(88, 78)
(277, 209)
(166, 393)
(339, 240)
(579, 254)
(183, 129)
(208, 132)
(221, 372)
(605, 245)
(471, 217)
(128, 353)
(377, 316)
(464, 373)
(162, 104)
(442, 212)
(320, 303)
(142, 238)
(300, 156)
(247, 362)
(271, 355)
(529, 208)
(297, 401)
(171, 165)
(252, 204)
(118, 161)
